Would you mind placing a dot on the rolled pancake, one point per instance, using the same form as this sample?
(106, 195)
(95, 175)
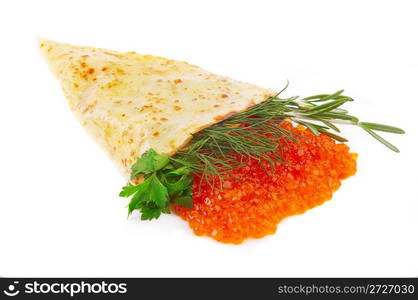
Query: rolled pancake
(130, 102)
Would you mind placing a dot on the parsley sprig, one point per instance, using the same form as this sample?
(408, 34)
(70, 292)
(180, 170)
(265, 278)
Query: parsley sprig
(164, 183)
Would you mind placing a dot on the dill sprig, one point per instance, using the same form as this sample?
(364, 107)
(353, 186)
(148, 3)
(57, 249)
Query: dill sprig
(256, 133)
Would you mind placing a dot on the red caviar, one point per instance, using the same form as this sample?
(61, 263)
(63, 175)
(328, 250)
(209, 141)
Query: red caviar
(251, 204)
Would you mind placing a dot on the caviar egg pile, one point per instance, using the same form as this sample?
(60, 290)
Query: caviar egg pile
(252, 202)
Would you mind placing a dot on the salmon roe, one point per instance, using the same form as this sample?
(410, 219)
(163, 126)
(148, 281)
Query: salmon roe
(252, 202)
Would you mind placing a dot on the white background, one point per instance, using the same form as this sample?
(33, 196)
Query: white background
(59, 210)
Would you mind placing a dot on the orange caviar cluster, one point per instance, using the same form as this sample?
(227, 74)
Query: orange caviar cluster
(252, 202)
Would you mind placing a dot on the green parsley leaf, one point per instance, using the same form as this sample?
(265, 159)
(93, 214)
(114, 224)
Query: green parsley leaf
(177, 187)
(149, 213)
(150, 191)
(165, 181)
(128, 190)
(168, 167)
(155, 192)
(179, 171)
(149, 162)
(135, 203)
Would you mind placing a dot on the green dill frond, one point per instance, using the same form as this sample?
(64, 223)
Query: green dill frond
(257, 133)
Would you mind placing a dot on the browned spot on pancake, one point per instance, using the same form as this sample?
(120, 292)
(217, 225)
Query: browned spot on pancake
(177, 81)
(176, 107)
(145, 107)
(120, 71)
(123, 161)
(90, 107)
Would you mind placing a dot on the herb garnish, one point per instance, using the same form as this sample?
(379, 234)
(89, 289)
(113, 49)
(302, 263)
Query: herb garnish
(164, 183)
(255, 133)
